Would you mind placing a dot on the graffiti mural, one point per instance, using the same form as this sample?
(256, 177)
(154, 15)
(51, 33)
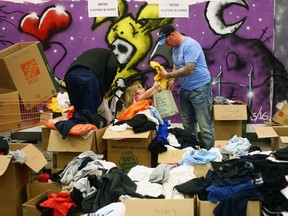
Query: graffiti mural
(237, 37)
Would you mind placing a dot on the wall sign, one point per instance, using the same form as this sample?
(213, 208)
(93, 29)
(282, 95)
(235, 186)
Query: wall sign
(102, 8)
(174, 8)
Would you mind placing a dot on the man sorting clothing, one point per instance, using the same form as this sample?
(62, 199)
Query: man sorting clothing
(89, 77)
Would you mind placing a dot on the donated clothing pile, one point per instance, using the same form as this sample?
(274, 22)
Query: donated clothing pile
(93, 183)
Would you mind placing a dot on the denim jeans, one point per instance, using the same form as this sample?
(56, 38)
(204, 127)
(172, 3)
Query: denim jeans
(84, 89)
(196, 107)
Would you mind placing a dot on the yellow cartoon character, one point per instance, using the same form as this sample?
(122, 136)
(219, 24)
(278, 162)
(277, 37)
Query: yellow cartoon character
(130, 38)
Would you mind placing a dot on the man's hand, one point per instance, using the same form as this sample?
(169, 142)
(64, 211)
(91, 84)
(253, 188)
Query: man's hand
(170, 84)
(163, 73)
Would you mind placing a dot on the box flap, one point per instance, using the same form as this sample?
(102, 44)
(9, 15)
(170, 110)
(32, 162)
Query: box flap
(265, 132)
(284, 139)
(171, 156)
(4, 163)
(72, 143)
(128, 133)
(101, 144)
(230, 112)
(272, 123)
(281, 130)
(34, 158)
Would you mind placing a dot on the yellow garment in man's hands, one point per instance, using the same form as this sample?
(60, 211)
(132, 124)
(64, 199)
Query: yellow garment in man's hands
(157, 77)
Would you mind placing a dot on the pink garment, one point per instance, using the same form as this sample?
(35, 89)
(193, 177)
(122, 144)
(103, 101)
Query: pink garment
(136, 98)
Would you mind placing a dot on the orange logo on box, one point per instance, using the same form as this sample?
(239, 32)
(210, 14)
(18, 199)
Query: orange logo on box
(281, 113)
(31, 71)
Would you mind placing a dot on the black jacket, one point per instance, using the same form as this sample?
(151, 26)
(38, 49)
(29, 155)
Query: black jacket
(102, 62)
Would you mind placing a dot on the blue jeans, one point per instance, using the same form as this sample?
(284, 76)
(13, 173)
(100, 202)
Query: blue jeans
(84, 89)
(196, 107)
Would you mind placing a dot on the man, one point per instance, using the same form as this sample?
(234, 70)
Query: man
(191, 70)
(89, 77)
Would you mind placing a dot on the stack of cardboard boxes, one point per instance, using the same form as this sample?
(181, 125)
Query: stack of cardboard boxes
(24, 79)
(229, 120)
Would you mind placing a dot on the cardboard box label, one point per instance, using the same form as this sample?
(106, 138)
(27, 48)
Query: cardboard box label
(127, 160)
(31, 71)
(128, 155)
(159, 207)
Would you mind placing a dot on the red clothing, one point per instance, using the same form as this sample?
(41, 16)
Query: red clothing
(61, 203)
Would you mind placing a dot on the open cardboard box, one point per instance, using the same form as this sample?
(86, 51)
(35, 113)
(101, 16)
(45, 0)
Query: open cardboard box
(229, 120)
(66, 149)
(174, 156)
(29, 208)
(278, 135)
(153, 207)
(15, 176)
(281, 116)
(206, 208)
(24, 68)
(128, 149)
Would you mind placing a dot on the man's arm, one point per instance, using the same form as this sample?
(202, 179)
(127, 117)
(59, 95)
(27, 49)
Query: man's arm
(181, 72)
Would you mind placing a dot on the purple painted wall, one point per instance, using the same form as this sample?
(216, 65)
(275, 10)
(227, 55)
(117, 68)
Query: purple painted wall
(237, 38)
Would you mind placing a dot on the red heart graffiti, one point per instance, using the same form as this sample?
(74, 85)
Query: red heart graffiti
(53, 21)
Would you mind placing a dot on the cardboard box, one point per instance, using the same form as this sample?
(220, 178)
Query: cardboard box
(157, 207)
(61, 159)
(10, 114)
(35, 188)
(24, 68)
(173, 156)
(206, 208)
(127, 149)
(15, 176)
(29, 208)
(66, 149)
(281, 116)
(229, 120)
(278, 135)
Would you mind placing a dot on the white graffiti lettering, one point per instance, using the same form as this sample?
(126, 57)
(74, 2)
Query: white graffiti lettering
(259, 116)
